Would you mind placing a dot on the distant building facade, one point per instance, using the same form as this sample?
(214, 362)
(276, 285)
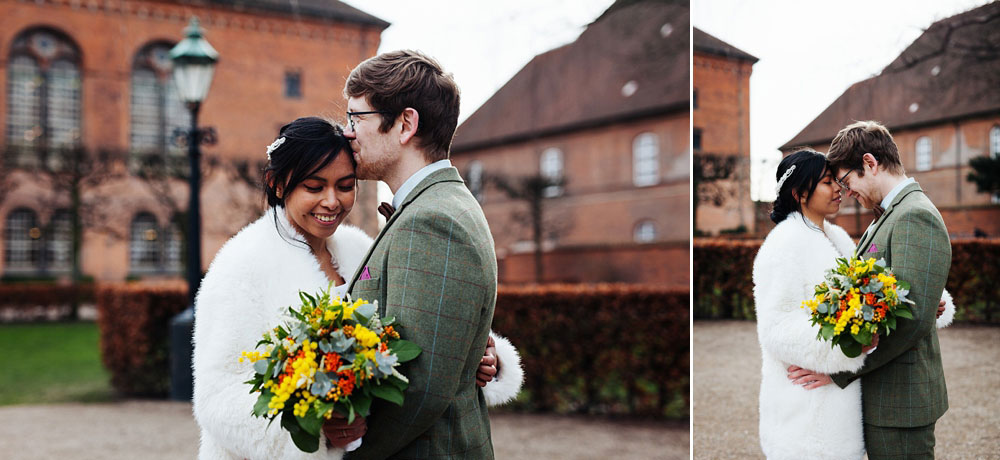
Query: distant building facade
(94, 78)
(605, 119)
(941, 100)
(721, 119)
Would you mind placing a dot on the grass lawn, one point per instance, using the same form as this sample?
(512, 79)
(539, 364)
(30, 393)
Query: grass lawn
(45, 363)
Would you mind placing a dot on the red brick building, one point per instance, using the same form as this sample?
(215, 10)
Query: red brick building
(607, 116)
(941, 100)
(721, 119)
(93, 76)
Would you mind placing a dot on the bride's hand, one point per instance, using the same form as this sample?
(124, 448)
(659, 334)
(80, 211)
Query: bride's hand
(809, 380)
(865, 349)
(489, 365)
(339, 433)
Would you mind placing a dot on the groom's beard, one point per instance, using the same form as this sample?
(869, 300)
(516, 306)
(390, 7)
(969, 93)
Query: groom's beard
(377, 169)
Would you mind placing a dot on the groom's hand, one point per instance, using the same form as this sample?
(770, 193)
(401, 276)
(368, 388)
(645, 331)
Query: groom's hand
(940, 309)
(808, 379)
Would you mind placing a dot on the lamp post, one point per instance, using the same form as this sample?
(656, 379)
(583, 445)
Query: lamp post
(194, 64)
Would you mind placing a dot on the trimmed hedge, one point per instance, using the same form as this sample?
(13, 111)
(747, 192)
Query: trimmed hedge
(723, 287)
(612, 349)
(41, 300)
(134, 322)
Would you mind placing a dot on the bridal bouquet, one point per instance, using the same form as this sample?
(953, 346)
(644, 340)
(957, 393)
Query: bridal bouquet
(331, 354)
(859, 298)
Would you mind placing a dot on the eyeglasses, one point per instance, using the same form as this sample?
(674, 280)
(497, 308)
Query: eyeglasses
(351, 115)
(841, 182)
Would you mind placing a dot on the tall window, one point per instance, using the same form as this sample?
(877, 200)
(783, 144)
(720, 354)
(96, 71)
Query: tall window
(156, 108)
(43, 94)
(923, 153)
(59, 247)
(995, 142)
(696, 139)
(293, 84)
(474, 179)
(551, 167)
(644, 232)
(22, 241)
(645, 160)
(173, 260)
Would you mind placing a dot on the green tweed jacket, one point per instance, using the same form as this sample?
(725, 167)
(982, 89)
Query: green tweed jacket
(433, 268)
(902, 382)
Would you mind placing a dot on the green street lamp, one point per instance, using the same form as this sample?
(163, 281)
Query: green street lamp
(194, 65)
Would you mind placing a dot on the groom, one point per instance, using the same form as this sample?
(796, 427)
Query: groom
(902, 382)
(432, 266)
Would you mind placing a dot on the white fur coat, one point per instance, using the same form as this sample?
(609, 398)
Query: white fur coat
(823, 423)
(252, 280)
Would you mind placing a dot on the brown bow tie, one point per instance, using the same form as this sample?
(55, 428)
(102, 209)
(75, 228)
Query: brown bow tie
(386, 210)
(878, 210)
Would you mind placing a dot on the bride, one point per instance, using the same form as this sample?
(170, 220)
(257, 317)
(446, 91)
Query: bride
(815, 421)
(299, 244)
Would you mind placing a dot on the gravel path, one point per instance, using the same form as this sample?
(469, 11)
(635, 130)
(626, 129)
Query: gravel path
(166, 430)
(726, 380)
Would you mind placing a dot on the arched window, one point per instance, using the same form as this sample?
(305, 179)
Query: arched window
(59, 241)
(645, 160)
(474, 179)
(43, 94)
(145, 243)
(156, 108)
(995, 142)
(551, 167)
(22, 242)
(923, 153)
(644, 231)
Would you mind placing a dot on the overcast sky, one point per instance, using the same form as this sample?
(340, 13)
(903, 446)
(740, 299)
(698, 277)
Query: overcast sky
(810, 52)
(482, 43)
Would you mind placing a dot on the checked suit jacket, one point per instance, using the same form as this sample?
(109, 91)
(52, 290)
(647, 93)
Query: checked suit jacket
(902, 382)
(433, 268)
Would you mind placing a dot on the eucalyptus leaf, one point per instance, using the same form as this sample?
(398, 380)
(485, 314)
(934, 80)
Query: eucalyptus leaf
(340, 343)
(384, 364)
(368, 310)
(827, 331)
(822, 308)
(324, 346)
(260, 366)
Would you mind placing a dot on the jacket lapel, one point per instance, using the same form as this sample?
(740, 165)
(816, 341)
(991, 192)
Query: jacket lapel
(874, 228)
(449, 174)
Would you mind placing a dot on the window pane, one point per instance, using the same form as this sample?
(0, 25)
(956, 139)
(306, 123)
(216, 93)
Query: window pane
(293, 85)
(22, 241)
(178, 116)
(145, 111)
(474, 176)
(60, 241)
(24, 102)
(923, 153)
(173, 247)
(645, 160)
(645, 232)
(64, 104)
(995, 141)
(144, 246)
(552, 168)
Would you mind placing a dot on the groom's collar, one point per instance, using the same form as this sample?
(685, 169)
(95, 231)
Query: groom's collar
(887, 201)
(412, 182)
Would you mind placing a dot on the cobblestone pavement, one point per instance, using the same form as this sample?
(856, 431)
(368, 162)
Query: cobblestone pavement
(726, 380)
(166, 430)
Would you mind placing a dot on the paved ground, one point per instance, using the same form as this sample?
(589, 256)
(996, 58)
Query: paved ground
(165, 430)
(726, 380)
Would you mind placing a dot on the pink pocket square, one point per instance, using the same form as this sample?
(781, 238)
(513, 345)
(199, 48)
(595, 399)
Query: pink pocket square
(871, 249)
(365, 275)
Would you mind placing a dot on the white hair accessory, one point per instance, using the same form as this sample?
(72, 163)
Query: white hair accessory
(274, 146)
(784, 177)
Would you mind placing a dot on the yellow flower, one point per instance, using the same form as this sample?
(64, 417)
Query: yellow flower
(855, 328)
(365, 337)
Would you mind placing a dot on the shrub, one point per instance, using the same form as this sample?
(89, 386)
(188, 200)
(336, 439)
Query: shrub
(723, 286)
(134, 322)
(30, 301)
(617, 349)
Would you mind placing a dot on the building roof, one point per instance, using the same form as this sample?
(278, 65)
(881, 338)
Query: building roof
(951, 71)
(705, 43)
(316, 9)
(630, 63)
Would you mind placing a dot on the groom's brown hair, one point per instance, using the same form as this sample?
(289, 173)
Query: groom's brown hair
(396, 80)
(862, 137)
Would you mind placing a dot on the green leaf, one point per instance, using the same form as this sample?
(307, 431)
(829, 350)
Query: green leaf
(405, 350)
(389, 393)
(852, 349)
(827, 331)
(904, 313)
(397, 382)
(903, 284)
(305, 441)
(311, 422)
(362, 404)
(260, 408)
(350, 412)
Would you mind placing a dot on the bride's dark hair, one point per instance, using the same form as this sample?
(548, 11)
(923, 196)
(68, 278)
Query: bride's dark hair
(310, 144)
(810, 167)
